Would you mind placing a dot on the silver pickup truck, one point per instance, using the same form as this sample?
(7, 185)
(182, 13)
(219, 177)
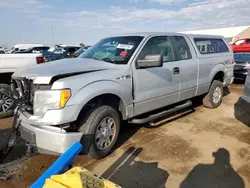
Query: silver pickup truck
(126, 77)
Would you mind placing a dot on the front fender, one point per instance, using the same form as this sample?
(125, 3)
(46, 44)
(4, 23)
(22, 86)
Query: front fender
(92, 90)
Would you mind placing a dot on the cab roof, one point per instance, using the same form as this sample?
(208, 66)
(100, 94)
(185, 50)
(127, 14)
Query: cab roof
(147, 34)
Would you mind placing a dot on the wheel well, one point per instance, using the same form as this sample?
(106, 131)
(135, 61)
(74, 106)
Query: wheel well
(5, 78)
(219, 76)
(106, 99)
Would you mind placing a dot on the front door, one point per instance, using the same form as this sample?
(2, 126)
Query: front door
(156, 87)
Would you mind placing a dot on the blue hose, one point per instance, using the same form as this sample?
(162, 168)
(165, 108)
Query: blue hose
(59, 165)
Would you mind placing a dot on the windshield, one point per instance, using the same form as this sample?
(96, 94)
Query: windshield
(116, 50)
(13, 49)
(244, 57)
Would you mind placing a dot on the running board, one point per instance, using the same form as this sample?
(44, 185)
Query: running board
(161, 114)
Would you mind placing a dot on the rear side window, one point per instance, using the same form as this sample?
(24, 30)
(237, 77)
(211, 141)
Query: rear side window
(209, 46)
(182, 50)
(248, 41)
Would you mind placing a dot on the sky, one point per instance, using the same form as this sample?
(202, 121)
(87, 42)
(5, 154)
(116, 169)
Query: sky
(87, 21)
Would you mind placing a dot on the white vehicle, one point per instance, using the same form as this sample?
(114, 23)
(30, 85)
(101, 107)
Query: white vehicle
(20, 47)
(10, 63)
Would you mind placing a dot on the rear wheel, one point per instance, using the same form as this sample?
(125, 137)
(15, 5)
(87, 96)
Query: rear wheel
(7, 104)
(214, 97)
(100, 131)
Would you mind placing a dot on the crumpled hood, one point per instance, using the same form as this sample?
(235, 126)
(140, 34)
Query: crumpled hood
(43, 73)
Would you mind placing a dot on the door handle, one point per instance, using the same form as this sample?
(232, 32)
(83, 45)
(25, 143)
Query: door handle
(176, 70)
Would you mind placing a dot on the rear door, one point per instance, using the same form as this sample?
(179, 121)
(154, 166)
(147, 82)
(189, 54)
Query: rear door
(159, 86)
(188, 65)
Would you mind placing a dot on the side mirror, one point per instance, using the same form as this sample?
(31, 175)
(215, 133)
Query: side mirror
(150, 61)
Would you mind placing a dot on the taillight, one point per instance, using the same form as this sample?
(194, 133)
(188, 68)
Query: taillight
(40, 60)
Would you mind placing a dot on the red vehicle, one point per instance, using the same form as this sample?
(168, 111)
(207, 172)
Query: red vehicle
(241, 45)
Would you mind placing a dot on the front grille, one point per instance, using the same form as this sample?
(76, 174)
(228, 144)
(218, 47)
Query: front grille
(23, 90)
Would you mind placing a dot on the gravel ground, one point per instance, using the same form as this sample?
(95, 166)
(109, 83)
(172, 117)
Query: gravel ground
(197, 148)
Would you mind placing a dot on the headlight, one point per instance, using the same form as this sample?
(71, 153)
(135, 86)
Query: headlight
(51, 99)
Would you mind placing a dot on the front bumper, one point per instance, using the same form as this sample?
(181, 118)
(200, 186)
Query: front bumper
(48, 139)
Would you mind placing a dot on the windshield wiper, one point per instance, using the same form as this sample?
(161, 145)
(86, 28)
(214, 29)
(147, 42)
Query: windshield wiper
(99, 59)
(108, 60)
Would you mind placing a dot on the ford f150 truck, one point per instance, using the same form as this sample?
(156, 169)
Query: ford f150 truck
(125, 77)
(9, 63)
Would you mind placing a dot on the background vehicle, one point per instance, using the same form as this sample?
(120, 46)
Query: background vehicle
(80, 51)
(22, 47)
(9, 63)
(36, 49)
(241, 45)
(246, 93)
(242, 65)
(66, 51)
(138, 78)
(50, 56)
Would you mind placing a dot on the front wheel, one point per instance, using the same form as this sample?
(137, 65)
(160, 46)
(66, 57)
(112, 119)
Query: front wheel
(214, 97)
(100, 131)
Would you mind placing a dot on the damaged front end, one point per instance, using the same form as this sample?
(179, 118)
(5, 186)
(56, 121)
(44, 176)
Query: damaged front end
(21, 90)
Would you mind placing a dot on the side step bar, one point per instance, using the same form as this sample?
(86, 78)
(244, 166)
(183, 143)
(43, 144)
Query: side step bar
(161, 114)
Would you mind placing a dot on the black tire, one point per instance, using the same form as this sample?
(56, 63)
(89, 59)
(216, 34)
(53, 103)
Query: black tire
(208, 99)
(89, 127)
(5, 90)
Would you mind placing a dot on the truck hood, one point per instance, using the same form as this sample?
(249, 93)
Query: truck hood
(43, 73)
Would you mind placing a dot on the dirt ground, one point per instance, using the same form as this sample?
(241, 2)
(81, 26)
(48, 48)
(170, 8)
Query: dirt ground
(197, 148)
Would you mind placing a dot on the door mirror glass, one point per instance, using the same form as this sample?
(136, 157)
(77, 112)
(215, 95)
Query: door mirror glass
(150, 61)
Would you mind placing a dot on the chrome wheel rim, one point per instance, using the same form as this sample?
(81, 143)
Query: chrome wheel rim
(5, 103)
(217, 95)
(105, 133)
